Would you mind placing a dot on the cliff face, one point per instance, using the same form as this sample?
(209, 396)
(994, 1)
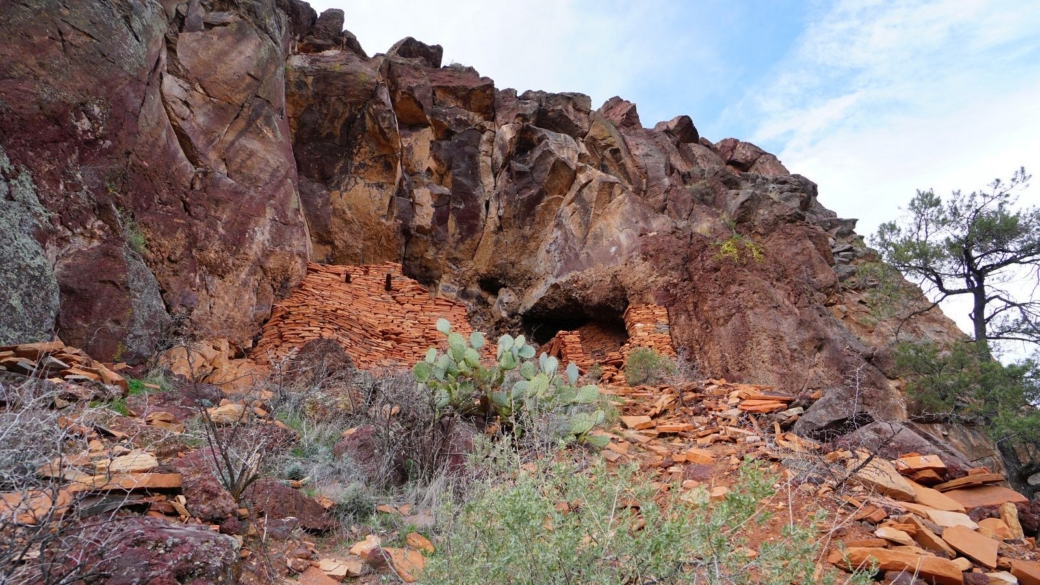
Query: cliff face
(179, 162)
(149, 144)
(541, 212)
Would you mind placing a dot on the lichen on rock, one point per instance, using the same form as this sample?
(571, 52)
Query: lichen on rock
(28, 287)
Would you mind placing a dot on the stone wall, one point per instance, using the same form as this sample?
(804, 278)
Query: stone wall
(379, 327)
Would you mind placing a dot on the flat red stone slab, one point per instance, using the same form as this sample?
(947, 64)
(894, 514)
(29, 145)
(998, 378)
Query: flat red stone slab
(981, 549)
(970, 481)
(1027, 573)
(988, 495)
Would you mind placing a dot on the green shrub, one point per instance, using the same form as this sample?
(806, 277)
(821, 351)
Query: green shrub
(354, 503)
(117, 405)
(888, 294)
(294, 470)
(646, 366)
(738, 249)
(516, 387)
(136, 387)
(963, 384)
(135, 240)
(312, 453)
(595, 372)
(562, 524)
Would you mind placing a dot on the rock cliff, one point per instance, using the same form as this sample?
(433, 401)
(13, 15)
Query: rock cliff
(171, 164)
(147, 170)
(542, 213)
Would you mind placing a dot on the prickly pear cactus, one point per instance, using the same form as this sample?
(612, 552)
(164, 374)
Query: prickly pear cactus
(460, 382)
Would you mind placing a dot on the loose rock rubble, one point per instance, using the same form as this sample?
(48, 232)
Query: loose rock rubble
(58, 363)
(919, 518)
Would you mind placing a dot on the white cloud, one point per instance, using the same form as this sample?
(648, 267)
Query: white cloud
(880, 99)
(554, 45)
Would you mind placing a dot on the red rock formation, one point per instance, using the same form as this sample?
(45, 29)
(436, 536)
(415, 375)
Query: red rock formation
(534, 208)
(154, 137)
(187, 158)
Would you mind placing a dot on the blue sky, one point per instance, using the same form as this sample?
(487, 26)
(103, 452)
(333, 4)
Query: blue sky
(870, 99)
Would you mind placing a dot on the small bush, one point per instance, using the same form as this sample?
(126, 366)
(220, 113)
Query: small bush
(136, 387)
(738, 249)
(563, 524)
(311, 456)
(646, 366)
(595, 372)
(888, 294)
(354, 504)
(117, 405)
(135, 240)
(294, 470)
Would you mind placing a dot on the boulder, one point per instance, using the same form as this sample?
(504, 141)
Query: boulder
(329, 25)
(892, 439)
(981, 549)
(621, 112)
(113, 311)
(1009, 514)
(320, 362)
(301, 16)
(316, 576)
(154, 550)
(880, 475)
(894, 535)
(207, 498)
(935, 499)
(409, 48)
(738, 154)
(28, 287)
(929, 540)
(322, 33)
(996, 527)
(362, 447)
(274, 500)
(681, 129)
(406, 563)
(984, 496)
(911, 464)
(566, 113)
(229, 414)
(950, 519)
(768, 165)
(1027, 573)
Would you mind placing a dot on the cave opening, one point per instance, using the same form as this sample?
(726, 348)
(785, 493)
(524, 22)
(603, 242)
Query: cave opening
(602, 330)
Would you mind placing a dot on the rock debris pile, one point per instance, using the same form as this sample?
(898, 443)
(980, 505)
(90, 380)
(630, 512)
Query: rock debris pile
(911, 515)
(56, 362)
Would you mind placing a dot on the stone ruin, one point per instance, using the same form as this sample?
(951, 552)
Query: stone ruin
(597, 342)
(381, 317)
(384, 319)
